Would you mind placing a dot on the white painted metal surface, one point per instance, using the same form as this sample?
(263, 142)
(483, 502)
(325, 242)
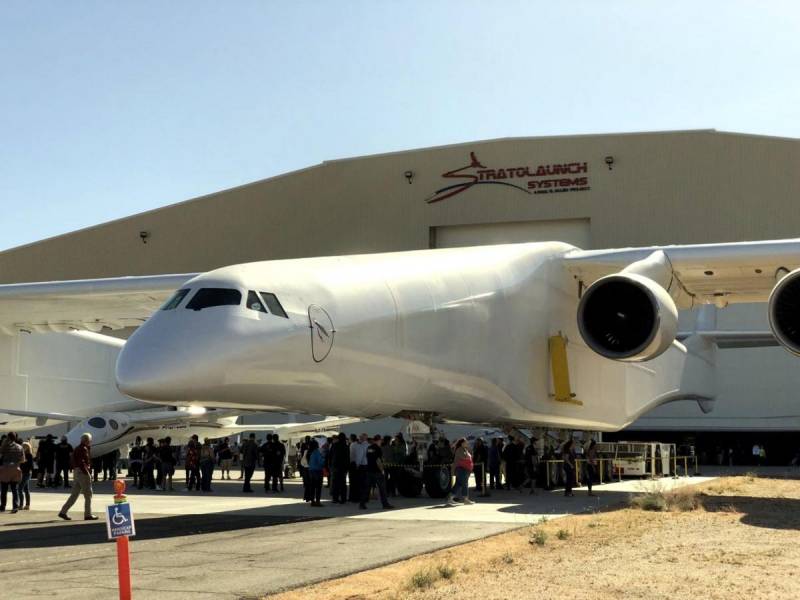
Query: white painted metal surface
(460, 332)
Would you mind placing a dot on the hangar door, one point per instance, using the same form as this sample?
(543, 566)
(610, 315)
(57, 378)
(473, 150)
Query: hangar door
(571, 231)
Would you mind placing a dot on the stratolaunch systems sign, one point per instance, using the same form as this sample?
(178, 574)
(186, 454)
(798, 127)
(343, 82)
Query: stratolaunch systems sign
(541, 179)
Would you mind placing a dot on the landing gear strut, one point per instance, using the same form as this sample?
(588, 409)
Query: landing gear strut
(437, 479)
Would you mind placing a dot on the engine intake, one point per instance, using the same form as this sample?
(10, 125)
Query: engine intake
(627, 317)
(784, 311)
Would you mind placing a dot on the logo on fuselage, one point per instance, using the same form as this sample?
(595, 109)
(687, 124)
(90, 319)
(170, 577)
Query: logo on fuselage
(542, 179)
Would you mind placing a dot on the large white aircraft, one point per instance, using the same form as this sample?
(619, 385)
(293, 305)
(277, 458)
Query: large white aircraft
(482, 335)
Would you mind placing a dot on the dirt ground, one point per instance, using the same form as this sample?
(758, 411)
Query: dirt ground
(742, 541)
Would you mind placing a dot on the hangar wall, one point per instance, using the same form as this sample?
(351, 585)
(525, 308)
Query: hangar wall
(601, 191)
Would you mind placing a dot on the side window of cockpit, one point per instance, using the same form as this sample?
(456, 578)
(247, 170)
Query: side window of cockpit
(274, 305)
(176, 299)
(208, 297)
(254, 302)
(97, 422)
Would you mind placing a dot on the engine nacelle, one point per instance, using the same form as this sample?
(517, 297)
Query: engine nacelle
(627, 317)
(784, 311)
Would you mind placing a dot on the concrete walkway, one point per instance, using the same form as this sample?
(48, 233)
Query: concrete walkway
(228, 545)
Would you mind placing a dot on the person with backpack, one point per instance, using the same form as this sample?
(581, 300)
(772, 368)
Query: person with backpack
(462, 460)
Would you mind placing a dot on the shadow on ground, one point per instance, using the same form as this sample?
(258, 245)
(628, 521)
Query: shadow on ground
(49, 533)
(771, 513)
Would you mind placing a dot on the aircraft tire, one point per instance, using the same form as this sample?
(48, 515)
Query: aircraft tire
(408, 485)
(438, 481)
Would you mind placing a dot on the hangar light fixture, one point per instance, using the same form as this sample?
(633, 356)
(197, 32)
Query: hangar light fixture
(144, 236)
(609, 161)
(409, 175)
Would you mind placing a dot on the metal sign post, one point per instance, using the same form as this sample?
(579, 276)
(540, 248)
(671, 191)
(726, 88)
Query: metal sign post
(120, 526)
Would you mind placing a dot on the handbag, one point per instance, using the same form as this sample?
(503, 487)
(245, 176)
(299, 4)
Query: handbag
(10, 474)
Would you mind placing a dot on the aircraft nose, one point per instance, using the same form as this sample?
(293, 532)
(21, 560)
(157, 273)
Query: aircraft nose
(154, 368)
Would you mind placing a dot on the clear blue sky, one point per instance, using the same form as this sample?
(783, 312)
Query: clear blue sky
(112, 108)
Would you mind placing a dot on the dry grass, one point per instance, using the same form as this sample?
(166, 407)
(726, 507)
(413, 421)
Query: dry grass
(656, 499)
(739, 543)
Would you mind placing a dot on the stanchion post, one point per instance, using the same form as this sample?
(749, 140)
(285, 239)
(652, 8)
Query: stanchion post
(123, 547)
(124, 568)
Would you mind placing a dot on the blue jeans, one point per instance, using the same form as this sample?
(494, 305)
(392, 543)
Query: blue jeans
(461, 488)
(24, 491)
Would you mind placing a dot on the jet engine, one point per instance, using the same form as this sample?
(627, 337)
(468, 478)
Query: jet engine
(628, 317)
(784, 311)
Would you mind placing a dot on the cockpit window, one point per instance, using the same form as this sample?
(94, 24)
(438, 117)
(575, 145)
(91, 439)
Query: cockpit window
(97, 422)
(176, 299)
(208, 297)
(254, 302)
(274, 305)
(114, 424)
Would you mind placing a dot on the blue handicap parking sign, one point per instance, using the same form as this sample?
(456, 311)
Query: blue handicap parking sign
(119, 520)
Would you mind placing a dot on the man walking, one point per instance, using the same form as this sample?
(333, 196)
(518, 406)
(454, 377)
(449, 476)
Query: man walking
(82, 479)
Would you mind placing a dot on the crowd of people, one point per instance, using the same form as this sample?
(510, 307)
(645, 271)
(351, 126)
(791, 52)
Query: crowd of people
(353, 469)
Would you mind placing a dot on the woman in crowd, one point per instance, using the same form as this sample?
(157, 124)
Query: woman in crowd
(316, 464)
(24, 489)
(192, 465)
(462, 460)
(206, 465)
(12, 456)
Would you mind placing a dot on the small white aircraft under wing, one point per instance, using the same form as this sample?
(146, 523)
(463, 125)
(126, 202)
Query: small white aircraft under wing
(462, 334)
(113, 430)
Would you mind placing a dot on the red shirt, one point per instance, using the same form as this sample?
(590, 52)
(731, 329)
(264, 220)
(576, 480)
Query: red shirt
(82, 458)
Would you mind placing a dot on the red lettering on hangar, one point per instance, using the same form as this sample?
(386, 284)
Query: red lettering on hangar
(542, 179)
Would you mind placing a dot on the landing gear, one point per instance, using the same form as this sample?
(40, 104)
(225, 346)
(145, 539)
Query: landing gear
(438, 481)
(409, 483)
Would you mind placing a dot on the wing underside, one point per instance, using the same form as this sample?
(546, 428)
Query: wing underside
(718, 274)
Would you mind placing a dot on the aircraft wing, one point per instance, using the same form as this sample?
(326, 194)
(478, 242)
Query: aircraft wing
(85, 304)
(42, 418)
(708, 273)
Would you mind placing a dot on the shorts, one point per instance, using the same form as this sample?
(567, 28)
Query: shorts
(226, 463)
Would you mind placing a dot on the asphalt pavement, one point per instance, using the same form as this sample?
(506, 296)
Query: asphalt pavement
(230, 545)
